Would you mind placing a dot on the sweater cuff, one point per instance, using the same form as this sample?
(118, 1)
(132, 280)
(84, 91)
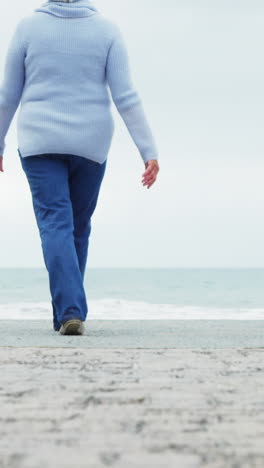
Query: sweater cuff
(2, 149)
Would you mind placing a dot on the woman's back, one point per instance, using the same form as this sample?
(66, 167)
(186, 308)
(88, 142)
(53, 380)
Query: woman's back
(65, 83)
(60, 61)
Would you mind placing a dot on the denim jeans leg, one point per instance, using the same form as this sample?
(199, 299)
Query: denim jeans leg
(56, 323)
(85, 181)
(48, 181)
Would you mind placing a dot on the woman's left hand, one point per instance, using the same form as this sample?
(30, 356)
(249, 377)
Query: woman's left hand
(150, 174)
(1, 164)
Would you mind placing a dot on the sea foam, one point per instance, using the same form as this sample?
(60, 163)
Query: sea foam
(122, 309)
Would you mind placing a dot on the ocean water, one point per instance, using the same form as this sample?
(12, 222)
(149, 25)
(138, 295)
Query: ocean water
(142, 293)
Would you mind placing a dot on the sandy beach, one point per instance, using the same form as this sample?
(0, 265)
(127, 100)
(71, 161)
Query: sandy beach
(130, 407)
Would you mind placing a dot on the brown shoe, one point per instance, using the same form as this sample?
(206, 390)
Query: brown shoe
(72, 327)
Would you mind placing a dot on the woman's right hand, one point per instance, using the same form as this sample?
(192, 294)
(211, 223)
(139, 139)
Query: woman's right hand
(150, 175)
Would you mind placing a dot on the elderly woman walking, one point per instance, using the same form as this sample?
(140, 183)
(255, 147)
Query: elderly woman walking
(59, 62)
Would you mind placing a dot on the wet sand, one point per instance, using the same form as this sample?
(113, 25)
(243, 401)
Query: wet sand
(137, 334)
(78, 406)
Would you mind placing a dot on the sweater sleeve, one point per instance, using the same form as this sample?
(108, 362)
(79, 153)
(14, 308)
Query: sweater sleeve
(12, 84)
(127, 99)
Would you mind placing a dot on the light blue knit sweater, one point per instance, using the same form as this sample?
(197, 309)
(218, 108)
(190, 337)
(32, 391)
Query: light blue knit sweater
(59, 64)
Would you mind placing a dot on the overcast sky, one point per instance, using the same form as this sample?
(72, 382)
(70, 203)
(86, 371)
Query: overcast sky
(198, 67)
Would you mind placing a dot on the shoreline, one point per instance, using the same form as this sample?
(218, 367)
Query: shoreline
(181, 334)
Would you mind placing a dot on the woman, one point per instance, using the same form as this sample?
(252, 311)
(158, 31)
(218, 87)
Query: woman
(59, 62)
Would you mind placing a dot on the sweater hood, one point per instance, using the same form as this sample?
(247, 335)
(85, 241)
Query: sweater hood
(70, 9)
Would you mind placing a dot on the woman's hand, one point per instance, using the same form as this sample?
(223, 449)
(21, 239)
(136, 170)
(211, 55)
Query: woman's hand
(150, 175)
(1, 164)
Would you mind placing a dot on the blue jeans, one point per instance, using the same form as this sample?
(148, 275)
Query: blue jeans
(64, 191)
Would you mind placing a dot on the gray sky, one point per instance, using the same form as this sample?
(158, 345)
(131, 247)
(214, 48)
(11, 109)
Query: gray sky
(197, 65)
